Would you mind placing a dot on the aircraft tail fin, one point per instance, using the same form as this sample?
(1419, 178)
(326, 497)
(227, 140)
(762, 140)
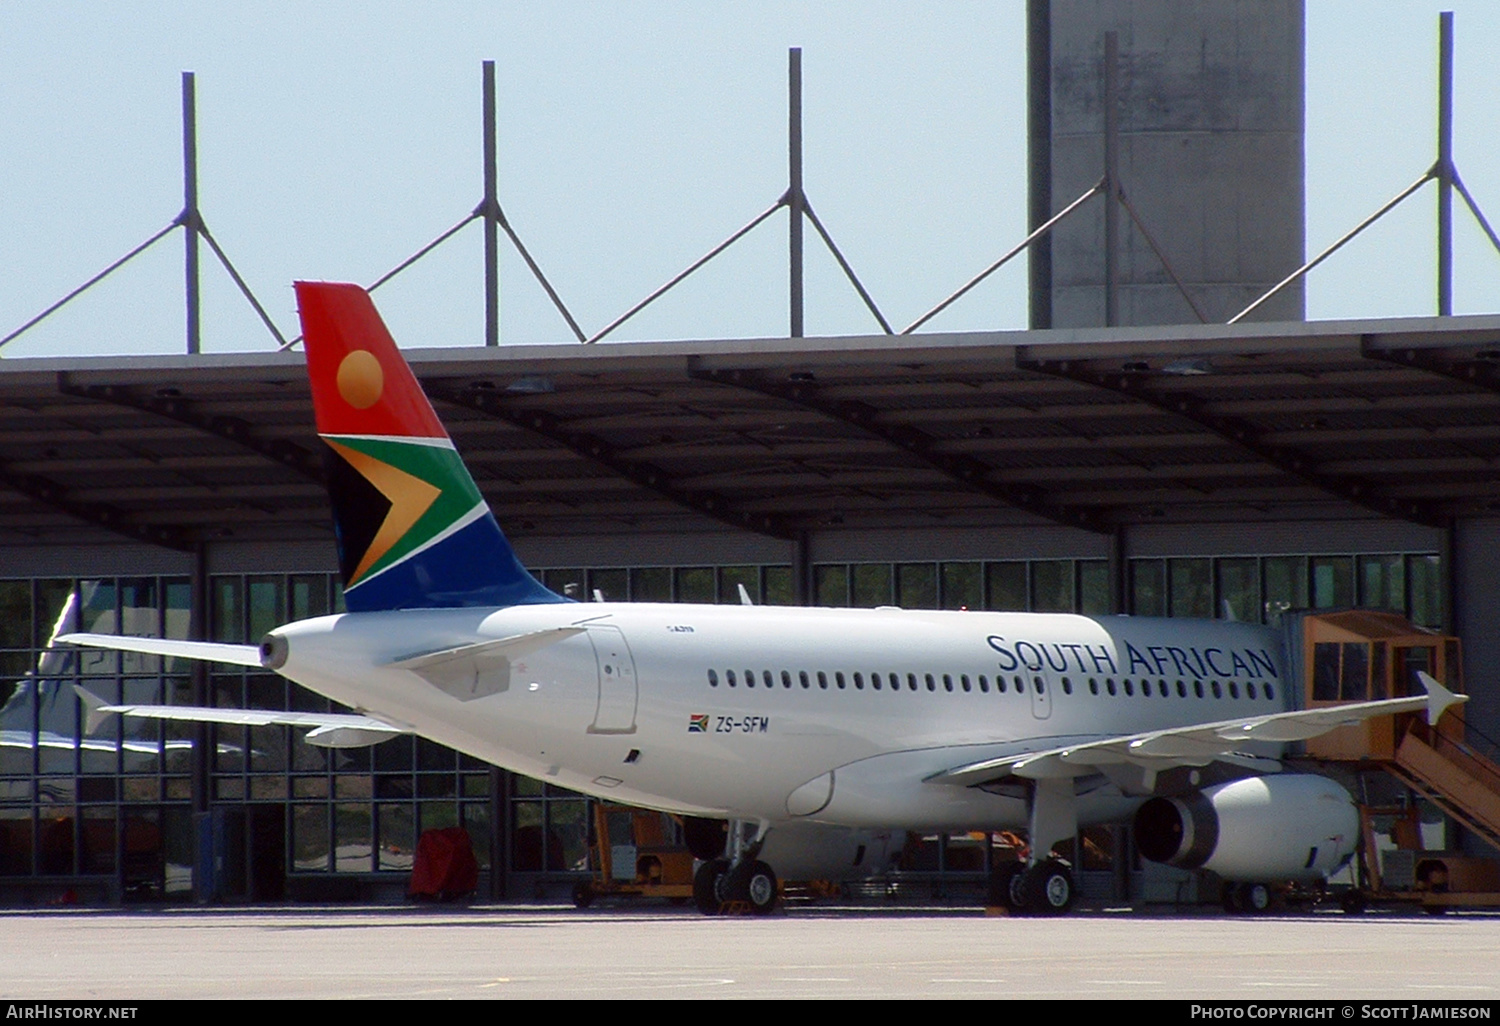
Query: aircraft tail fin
(413, 530)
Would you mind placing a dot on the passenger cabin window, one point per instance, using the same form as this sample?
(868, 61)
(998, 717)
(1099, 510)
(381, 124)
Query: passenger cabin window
(729, 677)
(713, 679)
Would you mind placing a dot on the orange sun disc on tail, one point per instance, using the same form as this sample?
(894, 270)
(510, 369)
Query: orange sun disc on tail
(360, 379)
(360, 383)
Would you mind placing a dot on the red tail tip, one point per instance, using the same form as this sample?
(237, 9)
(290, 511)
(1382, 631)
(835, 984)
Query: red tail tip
(361, 385)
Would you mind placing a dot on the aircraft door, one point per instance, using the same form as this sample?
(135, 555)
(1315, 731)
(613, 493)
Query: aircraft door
(615, 713)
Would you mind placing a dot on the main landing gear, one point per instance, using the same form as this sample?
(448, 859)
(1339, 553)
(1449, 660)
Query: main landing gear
(741, 878)
(1247, 898)
(717, 885)
(1043, 889)
(1043, 886)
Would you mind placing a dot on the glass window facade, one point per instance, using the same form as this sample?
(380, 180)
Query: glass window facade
(1259, 589)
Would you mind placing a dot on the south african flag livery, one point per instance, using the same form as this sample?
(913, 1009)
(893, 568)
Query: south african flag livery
(413, 531)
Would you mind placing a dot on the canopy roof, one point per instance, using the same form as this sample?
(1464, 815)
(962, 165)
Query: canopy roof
(1087, 428)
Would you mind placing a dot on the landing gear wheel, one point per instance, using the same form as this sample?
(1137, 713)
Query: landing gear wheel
(1048, 888)
(1254, 898)
(710, 886)
(757, 885)
(1231, 899)
(583, 895)
(1352, 902)
(1005, 890)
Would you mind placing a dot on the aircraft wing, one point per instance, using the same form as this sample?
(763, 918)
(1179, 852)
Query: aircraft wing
(1198, 744)
(330, 730)
(213, 651)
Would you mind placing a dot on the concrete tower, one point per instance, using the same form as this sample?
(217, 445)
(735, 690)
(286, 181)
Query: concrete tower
(1210, 118)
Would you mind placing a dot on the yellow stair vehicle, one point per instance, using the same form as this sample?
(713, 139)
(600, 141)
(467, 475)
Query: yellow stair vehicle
(1359, 655)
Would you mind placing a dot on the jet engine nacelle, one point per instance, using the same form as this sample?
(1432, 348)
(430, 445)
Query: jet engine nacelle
(1293, 827)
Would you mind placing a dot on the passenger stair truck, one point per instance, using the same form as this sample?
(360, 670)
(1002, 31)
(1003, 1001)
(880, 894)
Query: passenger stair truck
(1357, 655)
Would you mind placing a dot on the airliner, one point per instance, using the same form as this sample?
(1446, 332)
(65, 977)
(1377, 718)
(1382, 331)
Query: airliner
(796, 725)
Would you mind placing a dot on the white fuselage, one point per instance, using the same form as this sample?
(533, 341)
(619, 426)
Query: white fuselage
(779, 713)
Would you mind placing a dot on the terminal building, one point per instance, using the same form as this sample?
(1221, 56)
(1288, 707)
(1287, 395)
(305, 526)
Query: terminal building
(1119, 456)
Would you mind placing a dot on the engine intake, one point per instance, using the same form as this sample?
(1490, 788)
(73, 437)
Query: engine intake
(1293, 827)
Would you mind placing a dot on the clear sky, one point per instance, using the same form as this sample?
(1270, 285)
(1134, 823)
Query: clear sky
(334, 139)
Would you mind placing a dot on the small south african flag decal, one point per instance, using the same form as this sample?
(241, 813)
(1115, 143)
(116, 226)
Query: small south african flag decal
(698, 724)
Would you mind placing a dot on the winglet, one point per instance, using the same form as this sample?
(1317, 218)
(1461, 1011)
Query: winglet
(1439, 698)
(94, 711)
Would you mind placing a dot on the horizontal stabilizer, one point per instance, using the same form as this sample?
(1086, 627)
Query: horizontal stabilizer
(327, 727)
(213, 651)
(482, 668)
